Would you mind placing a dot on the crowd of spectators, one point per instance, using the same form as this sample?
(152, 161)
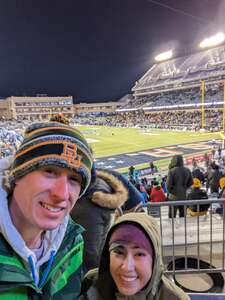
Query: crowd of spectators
(193, 95)
(204, 180)
(10, 137)
(11, 131)
(180, 119)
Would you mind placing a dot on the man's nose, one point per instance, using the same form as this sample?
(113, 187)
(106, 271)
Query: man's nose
(60, 190)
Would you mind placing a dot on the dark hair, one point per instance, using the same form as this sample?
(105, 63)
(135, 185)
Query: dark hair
(105, 283)
(155, 183)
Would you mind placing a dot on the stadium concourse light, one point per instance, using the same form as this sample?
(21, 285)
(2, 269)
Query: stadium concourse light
(164, 55)
(213, 40)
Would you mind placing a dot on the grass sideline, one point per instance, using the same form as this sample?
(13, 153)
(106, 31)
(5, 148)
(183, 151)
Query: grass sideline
(107, 141)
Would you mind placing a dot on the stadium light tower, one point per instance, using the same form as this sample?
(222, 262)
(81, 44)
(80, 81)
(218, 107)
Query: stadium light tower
(213, 40)
(164, 56)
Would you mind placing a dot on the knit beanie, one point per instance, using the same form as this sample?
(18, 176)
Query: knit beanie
(130, 233)
(222, 182)
(53, 143)
(196, 183)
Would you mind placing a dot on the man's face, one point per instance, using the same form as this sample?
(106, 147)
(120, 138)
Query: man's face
(41, 199)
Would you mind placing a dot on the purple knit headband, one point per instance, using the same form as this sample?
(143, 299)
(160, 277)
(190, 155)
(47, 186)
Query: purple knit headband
(131, 233)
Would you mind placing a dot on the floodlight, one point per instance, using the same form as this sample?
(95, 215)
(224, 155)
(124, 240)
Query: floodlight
(213, 40)
(164, 55)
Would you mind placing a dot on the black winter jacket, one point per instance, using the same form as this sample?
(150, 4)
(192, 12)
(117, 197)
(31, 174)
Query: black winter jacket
(179, 179)
(109, 190)
(197, 194)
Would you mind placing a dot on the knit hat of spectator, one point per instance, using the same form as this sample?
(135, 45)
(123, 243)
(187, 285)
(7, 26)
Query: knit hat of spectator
(126, 233)
(155, 183)
(222, 182)
(196, 183)
(55, 144)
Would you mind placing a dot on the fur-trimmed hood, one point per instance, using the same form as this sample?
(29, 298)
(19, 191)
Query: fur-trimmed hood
(108, 191)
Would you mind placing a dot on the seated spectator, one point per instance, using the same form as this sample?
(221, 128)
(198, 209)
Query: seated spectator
(214, 178)
(197, 173)
(146, 184)
(222, 188)
(157, 193)
(163, 185)
(219, 207)
(144, 181)
(143, 192)
(196, 194)
(131, 264)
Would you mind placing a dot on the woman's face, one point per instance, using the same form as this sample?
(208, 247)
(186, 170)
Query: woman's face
(130, 268)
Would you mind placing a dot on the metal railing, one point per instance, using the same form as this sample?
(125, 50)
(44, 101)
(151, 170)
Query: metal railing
(201, 237)
(202, 296)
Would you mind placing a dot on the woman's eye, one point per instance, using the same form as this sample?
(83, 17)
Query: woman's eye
(118, 251)
(140, 254)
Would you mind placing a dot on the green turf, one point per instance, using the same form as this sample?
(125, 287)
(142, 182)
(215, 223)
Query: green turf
(107, 141)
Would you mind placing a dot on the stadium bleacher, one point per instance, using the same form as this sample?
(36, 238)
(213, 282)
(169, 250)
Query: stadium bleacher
(178, 82)
(208, 64)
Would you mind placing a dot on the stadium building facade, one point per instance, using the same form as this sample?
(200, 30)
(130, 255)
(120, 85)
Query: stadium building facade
(33, 108)
(106, 107)
(42, 107)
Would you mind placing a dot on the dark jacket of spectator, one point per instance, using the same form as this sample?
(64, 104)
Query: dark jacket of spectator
(196, 194)
(214, 178)
(197, 173)
(107, 191)
(179, 179)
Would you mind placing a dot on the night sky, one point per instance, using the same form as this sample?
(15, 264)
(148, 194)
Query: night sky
(95, 50)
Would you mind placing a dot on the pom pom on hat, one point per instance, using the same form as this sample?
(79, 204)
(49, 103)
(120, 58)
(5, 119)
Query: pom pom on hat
(196, 183)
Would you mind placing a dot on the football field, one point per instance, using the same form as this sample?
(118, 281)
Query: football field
(114, 143)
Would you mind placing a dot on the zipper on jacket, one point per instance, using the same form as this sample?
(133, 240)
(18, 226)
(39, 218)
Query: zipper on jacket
(32, 267)
(45, 273)
(47, 270)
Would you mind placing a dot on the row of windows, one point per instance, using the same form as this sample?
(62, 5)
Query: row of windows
(61, 103)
